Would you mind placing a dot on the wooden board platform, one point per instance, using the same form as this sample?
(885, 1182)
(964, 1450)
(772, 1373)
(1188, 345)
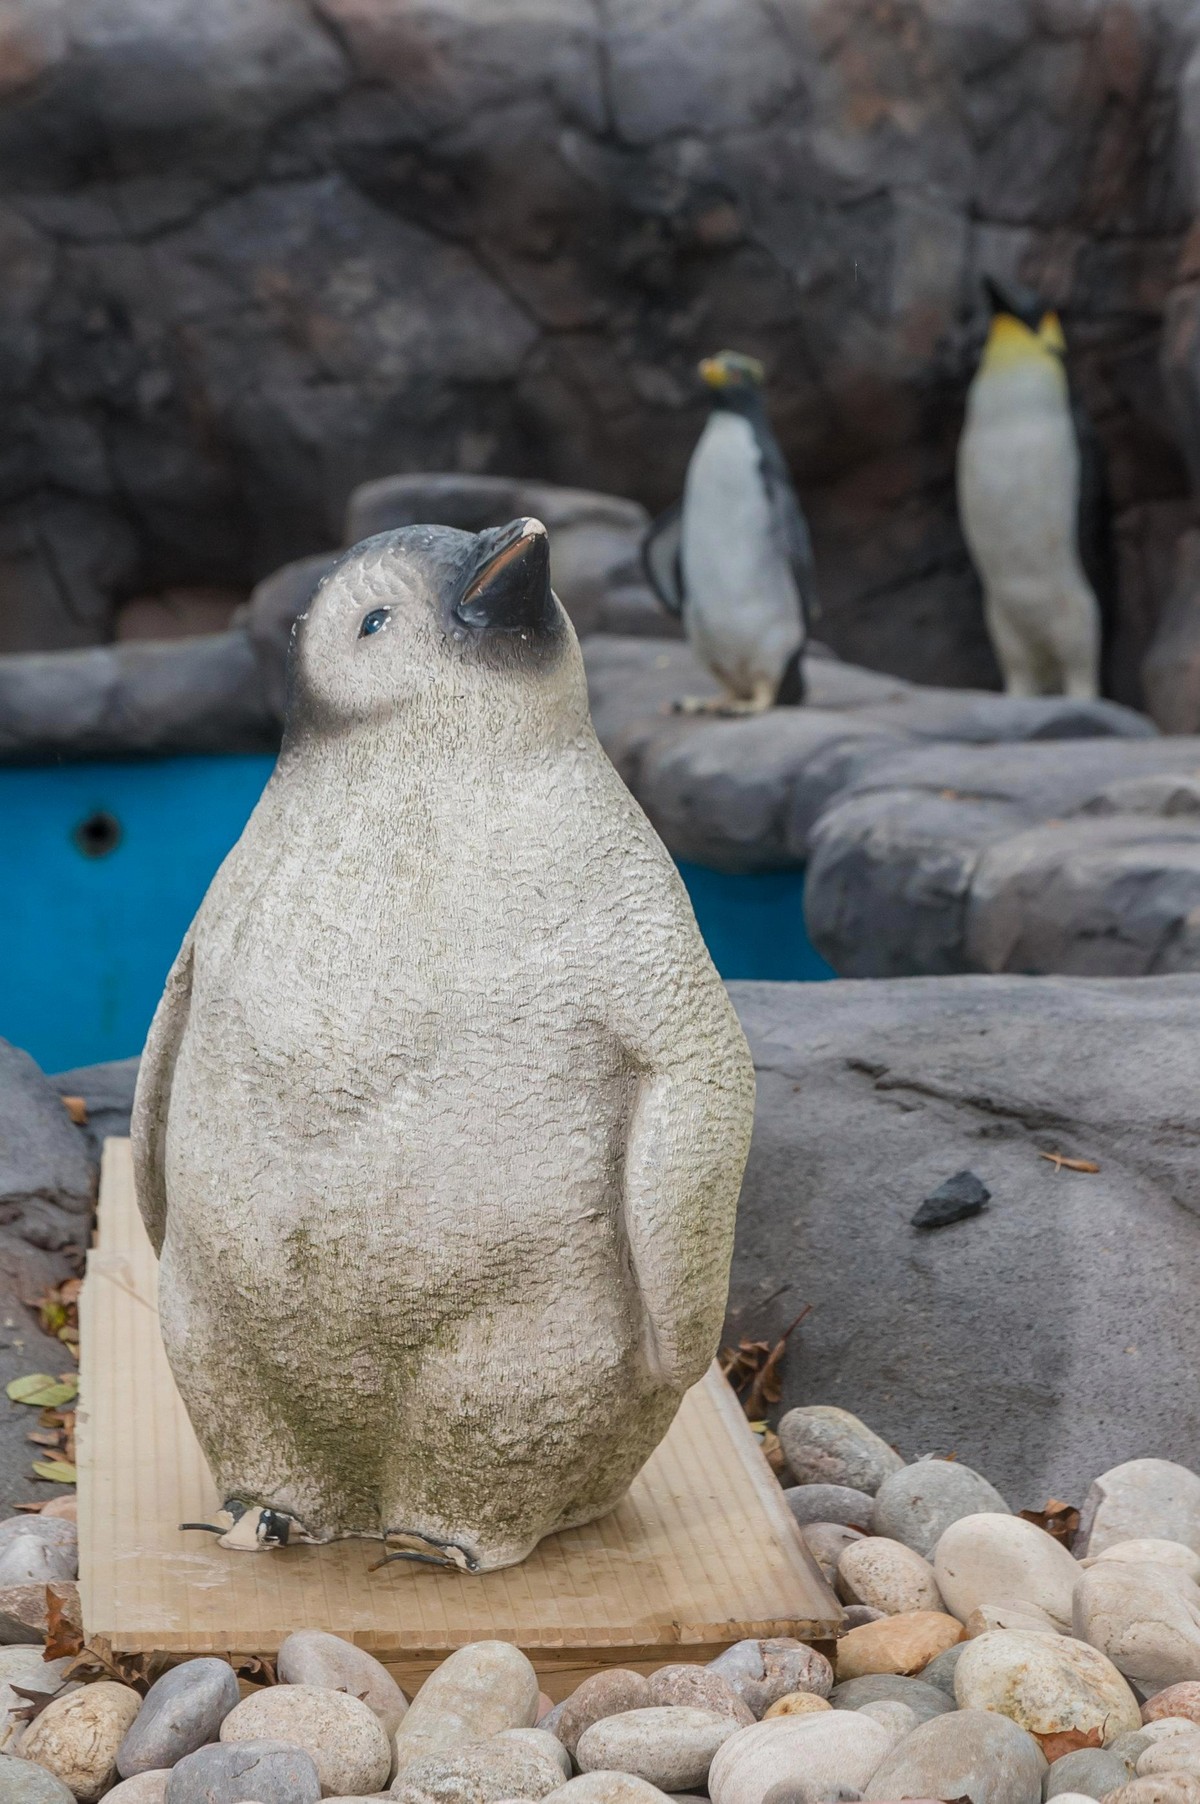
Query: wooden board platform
(702, 1552)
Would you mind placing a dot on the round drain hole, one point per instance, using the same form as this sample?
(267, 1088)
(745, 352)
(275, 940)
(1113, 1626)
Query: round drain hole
(98, 835)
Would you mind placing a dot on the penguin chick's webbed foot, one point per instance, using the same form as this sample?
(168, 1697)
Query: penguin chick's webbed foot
(252, 1527)
(726, 706)
(427, 1550)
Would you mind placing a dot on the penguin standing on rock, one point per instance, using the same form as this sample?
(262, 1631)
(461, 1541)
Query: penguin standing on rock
(441, 1122)
(734, 556)
(1019, 483)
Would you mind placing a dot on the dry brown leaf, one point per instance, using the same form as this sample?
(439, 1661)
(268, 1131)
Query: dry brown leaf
(1067, 1741)
(76, 1108)
(1061, 1162)
(1060, 1520)
(63, 1638)
(772, 1446)
(35, 1702)
(758, 1365)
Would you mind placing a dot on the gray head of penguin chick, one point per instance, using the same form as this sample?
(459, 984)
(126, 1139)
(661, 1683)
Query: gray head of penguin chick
(452, 635)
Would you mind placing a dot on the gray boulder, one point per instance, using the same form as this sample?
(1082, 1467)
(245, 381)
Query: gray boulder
(1092, 1771)
(1080, 861)
(974, 1754)
(745, 795)
(107, 1093)
(1042, 1341)
(927, 1701)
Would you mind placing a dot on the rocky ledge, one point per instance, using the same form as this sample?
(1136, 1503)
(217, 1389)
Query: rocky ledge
(745, 794)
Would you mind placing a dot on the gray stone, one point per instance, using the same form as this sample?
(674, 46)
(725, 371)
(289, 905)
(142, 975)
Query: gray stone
(874, 1688)
(671, 1746)
(1092, 1771)
(856, 1616)
(24, 1782)
(940, 1670)
(1145, 1618)
(826, 1542)
(182, 1711)
(601, 1694)
(829, 1750)
(831, 1503)
(1041, 1346)
(269, 1772)
(761, 1672)
(824, 1444)
(918, 1504)
(144, 1788)
(971, 1753)
(1127, 1748)
(478, 1772)
(29, 1559)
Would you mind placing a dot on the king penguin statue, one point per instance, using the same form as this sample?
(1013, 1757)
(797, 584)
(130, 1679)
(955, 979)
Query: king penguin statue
(1019, 485)
(734, 557)
(441, 1121)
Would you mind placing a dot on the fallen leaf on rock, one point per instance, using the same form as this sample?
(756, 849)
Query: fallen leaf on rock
(76, 1108)
(1061, 1162)
(56, 1471)
(1068, 1741)
(1060, 1520)
(39, 1389)
(64, 1637)
(35, 1702)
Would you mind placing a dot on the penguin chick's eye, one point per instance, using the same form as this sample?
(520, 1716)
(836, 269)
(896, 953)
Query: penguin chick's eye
(374, 622)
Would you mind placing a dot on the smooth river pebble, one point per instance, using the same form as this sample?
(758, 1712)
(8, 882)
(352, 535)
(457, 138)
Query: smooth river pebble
(671, 1747)
(918, 1504)
(77, 1735)
(762, 1671)
(344, 1738)
(271, 1772)
(1046, 1683)
(180, 1713)
(823, 1445)
(830, 1503)
(1145, 1618)
(313, 1657)
(473, 1771)
(832, 1748)
(887, 1575)
(992, 1558)
(601, 1694)
(481, 1689)
(967, 1754)
(701, 1688)
(1144, 1498)
(897, 1644)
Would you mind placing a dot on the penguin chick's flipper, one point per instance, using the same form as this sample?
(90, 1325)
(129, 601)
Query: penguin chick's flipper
(792, 685)
(727, 705)
(253, 1528)
(152, 1098)
(426, 1550)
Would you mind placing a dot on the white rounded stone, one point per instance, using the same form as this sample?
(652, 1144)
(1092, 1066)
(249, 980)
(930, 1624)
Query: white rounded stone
(77, 1735)
(539, 1741)
(1161, 1728)
(1046, 1683)
(1148, 1551)
(1177, 1754)
(918, 1504)
(1146, 1618)
(477, 1691)
(474, 1771)
(314, 1657)
(985, 1558)
(898, 1719)
(1144, 1498)
(887, 1575)
(828, 1749)
(343, 1737)
(670, 1746)
(1009, 1616)
(608, 1788)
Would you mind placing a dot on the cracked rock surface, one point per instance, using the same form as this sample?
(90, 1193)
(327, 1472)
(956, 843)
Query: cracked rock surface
(1047, 1338)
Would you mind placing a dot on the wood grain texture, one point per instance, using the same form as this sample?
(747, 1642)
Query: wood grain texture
(702, 1551)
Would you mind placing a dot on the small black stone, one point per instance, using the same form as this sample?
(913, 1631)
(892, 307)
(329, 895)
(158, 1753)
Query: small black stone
(956, 1199)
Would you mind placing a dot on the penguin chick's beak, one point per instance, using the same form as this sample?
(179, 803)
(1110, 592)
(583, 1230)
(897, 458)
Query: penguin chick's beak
(509, 590)
(714, 372)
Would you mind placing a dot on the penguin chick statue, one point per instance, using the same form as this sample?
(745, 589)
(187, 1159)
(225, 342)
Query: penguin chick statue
(442, 1118)
(734, 556)
(1018, 499)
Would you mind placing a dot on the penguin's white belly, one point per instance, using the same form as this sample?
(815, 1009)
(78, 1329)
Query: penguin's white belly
(1019, 494)
(743, 614)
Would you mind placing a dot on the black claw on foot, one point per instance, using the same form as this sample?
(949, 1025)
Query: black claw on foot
(425, 1550)
(250, 1527)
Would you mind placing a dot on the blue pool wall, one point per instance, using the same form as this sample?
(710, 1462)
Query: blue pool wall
(88, 939)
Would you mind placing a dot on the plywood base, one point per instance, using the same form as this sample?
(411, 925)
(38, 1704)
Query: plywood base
(702, 1552)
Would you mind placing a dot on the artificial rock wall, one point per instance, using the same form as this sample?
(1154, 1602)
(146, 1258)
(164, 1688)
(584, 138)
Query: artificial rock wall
(258, 251)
